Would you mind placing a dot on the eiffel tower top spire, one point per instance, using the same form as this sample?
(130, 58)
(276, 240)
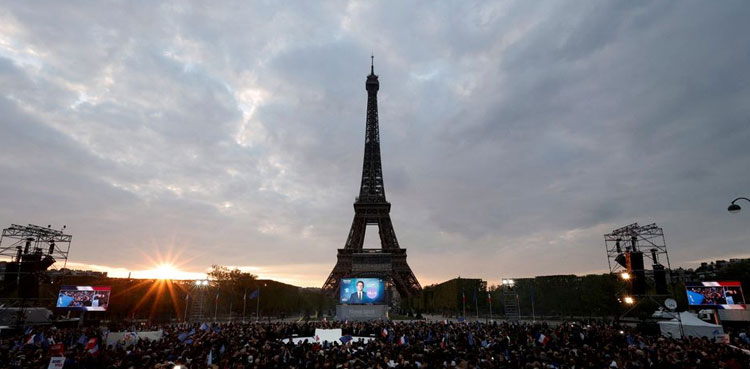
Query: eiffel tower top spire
(372, 189)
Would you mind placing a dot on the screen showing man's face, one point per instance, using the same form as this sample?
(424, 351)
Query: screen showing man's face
(360, 286)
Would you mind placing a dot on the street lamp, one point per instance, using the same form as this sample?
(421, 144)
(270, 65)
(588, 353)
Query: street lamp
(734, 208)
(629, 300)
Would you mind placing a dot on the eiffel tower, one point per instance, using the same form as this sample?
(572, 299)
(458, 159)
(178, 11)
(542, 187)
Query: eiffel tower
(371, 208)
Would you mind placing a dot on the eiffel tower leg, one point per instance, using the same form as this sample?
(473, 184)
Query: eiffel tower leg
(343, 267)
(357, 233)
(403, 278)
(388, 240)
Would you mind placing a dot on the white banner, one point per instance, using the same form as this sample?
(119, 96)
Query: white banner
(131, 338)
(56, 362)
(330, 335)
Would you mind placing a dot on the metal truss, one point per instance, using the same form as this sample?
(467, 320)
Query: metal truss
(18, 240)
(649, 239)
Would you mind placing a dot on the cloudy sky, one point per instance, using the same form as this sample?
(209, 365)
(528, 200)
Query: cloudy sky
(514, 133)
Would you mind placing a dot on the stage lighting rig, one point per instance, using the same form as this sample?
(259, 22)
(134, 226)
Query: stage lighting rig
(626, 256)
(30, 251)
(627, 250)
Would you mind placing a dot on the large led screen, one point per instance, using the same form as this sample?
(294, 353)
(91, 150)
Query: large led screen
(718, 295)
(83, 298)
(362, 291)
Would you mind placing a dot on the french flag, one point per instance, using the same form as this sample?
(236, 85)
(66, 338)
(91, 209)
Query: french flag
(403, 341)
(57, 349)
(30, 341)
(543, 339)
(92, 347)
(384, 333)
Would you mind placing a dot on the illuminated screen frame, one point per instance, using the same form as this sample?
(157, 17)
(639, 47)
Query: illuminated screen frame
(374, 291)
(696, 298)
(68, 298)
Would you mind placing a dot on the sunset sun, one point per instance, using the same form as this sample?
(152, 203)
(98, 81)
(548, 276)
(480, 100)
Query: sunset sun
(167, 271)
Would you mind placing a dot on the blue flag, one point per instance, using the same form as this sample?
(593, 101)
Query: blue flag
(255, 293)
(346, 338)
(182, 337)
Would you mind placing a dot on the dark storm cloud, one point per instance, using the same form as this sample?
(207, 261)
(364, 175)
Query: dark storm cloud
(514, 134)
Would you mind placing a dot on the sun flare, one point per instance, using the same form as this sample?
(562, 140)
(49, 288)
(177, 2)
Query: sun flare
(167, 271)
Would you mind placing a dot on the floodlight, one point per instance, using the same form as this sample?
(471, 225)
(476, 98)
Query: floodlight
(625, 275)
(629, 300)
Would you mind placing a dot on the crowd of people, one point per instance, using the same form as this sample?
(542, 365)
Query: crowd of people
(414, 344)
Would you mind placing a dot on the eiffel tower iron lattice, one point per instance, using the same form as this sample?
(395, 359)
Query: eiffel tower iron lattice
(371, 208)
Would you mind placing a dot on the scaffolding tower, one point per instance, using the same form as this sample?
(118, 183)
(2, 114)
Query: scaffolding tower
(511, 306)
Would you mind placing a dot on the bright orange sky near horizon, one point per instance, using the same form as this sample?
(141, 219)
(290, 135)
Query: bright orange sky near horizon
(175, 272)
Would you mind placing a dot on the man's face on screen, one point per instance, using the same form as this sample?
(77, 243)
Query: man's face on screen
(360, 286)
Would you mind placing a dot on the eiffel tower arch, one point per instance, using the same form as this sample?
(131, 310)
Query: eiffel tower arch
(371, 208)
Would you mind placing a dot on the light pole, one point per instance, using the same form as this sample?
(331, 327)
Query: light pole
(257, 305)
(734, 208)
(244, 304)
(187, 298)
(489, 299)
